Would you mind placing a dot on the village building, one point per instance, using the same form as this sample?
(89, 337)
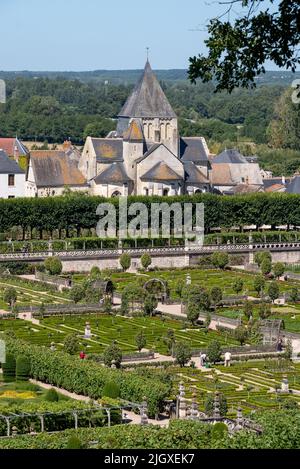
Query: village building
(231, 170)
(13, 147)
(12, 178)
(50, 172)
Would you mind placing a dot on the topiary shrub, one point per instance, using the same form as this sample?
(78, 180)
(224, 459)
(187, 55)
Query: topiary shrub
(219, 431)
(111, 389)
(9, 368)
(52, 395)
(22, 368)
(74, 443)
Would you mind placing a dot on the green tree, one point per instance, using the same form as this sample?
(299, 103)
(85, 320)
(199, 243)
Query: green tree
(111, 354)
(283, 131)
(170, 340)
(248, 309)
(150, 304)
(278, 269)
(216, 295)
(241, 334)
(273, 291)
(71, 343)
(259, 284)
(192, 312)
(234, 55)
(125, 261)
(264, 310)
(10, 296)
(182, 353)
(95, 273)
(220, 260)
(238, 285)
(288, 351)
(140, 341)
(77, 293)
(146, 261)
(294, 294)
(261, 256)
(53, 265)
(266, 267)
(214, 351)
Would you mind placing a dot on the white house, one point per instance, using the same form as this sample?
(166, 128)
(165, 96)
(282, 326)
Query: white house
(12, 178)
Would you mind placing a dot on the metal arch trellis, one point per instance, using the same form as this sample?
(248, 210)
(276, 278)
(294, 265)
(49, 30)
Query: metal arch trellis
(270, 329)
(75, 412)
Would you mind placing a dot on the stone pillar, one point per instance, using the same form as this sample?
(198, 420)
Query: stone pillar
(42, 423)
(194, 408)
(216, 414)
(182, 403)
(144, 412)
(285, 385)
(239, 419)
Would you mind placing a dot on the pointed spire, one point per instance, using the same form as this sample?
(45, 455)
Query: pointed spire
(148, 99)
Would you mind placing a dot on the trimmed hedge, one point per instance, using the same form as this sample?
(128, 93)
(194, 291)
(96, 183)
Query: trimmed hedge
(66, 213)
(9, 368)
(87, 378)
(22, 368)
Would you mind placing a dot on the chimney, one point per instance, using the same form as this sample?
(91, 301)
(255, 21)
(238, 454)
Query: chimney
(67, 145)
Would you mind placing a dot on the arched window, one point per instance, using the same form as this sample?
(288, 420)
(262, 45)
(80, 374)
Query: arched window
(165, 192)
(146, 191)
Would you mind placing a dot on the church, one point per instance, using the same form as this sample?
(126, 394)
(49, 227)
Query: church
(146, 155)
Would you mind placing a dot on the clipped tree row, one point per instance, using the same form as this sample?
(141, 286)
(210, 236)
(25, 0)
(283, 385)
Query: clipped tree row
(79, 212)
(88, 378)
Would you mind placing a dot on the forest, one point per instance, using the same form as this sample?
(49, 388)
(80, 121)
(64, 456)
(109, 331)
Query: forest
(262, 121)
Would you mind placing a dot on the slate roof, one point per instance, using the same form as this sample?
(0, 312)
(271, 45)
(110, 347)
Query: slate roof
(134, 132)
(192, 149)
(193, 174)
(9, 166)
(54, 168)
(230, 156)
(221, 175)
(161, 172)
(275, 188)
(294, 186)
(108, 149)
(246, 189)
(12, 146)
(268, 182)
(148, 99)
(114, 174)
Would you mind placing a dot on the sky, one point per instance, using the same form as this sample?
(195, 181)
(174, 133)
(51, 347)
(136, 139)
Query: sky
(80, 35)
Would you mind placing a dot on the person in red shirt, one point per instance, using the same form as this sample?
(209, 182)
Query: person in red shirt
(82, 355)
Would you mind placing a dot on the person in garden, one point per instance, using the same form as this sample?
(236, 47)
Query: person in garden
(82, 355)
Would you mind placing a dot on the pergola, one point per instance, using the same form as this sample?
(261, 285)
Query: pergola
(10, 416)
